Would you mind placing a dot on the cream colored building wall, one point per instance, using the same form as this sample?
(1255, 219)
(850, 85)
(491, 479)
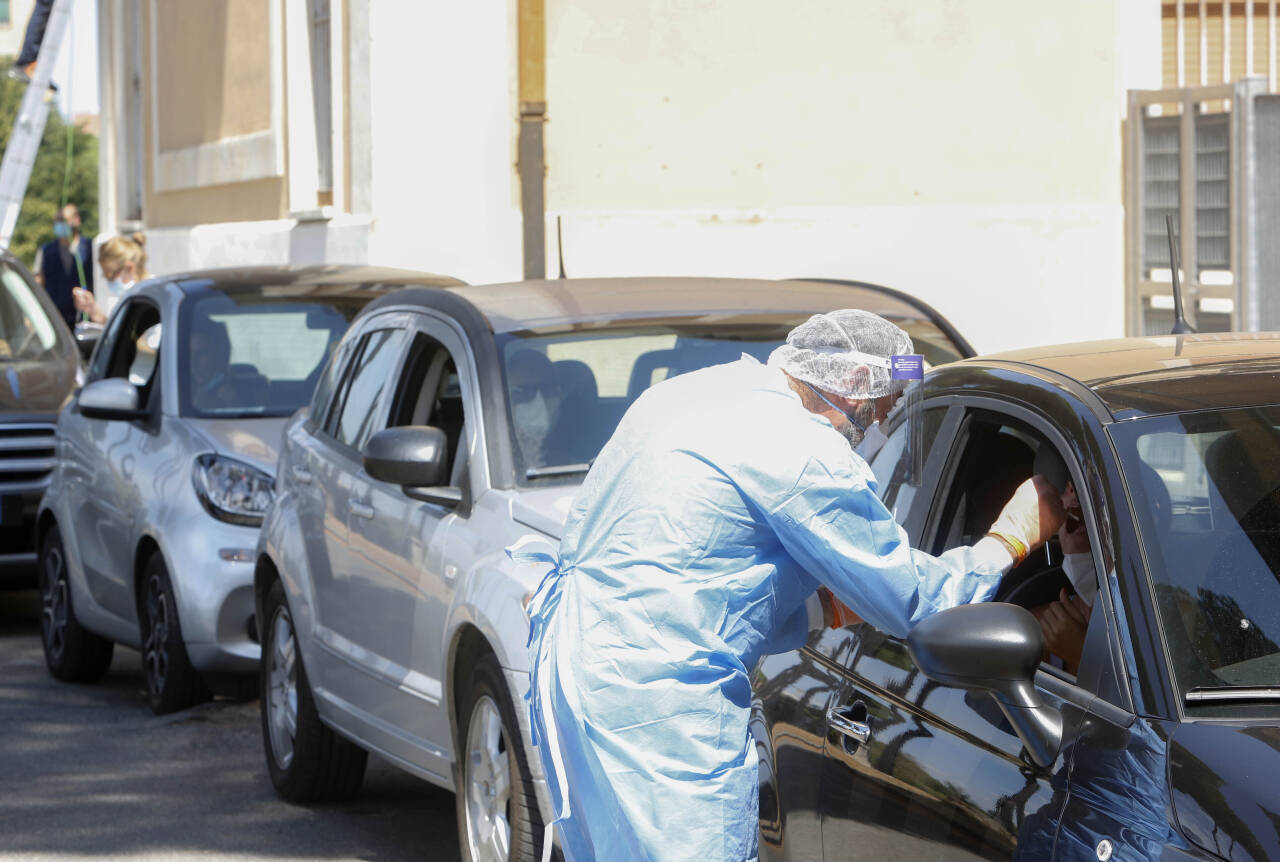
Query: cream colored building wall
(969, 153)
(212, 111)
(14, 30)
(443, 138)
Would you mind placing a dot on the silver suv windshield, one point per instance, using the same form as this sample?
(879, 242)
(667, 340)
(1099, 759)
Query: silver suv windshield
(567, 389)
(26, 332)
(1206, 490)
(247, 353)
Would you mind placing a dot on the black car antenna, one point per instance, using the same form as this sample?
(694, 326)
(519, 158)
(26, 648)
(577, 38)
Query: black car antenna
(1180, 325)
(559, 247)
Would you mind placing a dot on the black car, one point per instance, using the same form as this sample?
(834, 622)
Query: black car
(39, 365)
(1161, 738)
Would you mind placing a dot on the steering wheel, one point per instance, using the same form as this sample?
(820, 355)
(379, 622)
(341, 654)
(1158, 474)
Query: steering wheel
(1037, 589)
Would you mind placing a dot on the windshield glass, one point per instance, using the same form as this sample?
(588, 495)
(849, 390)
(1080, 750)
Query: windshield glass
(26, 332)
(246, 354)
(1206, 489)
(567, 390)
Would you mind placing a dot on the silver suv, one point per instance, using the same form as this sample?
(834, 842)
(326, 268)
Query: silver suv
(450, 424)
(165, 466)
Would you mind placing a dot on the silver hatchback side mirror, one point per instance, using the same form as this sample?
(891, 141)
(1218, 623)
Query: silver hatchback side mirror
(112, 398)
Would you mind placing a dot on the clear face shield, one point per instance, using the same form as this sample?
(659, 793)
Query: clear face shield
(909, 367)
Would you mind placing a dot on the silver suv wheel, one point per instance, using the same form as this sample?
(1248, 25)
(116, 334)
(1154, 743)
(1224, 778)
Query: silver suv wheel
(282, 687)
(488, 785)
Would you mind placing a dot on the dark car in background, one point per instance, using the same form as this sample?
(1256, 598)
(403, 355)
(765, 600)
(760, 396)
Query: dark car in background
(960, 743)
(39, 368)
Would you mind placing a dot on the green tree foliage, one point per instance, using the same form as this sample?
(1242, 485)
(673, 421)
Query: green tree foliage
(45, 190)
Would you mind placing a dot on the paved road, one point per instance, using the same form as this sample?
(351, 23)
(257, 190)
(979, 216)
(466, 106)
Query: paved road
(87, 770)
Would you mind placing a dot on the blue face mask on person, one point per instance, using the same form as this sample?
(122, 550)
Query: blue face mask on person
(853, 434)
(62, 230)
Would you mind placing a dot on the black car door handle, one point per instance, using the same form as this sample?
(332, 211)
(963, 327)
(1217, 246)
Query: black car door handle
(851, 722)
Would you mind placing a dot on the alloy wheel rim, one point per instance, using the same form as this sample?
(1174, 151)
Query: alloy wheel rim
(282, 688)
(156, 648)
(488, 785)
(53, 603)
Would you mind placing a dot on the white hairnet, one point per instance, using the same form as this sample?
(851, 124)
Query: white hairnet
(827, 350)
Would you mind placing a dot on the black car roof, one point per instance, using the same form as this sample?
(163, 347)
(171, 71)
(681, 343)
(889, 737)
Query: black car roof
(1164, 374)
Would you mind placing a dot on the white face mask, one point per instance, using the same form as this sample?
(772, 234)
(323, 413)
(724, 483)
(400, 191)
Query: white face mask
(532, 421)
(872, 442)
(115, 287)
(1082, 576)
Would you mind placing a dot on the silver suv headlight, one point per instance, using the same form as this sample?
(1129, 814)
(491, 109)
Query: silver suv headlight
(231, 490)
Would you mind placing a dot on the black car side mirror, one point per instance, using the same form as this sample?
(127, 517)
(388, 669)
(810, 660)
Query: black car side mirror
(416, 457)
(994, 647)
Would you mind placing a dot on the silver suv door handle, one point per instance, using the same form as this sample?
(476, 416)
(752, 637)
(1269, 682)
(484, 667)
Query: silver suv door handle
(361, 510)
(846, 722)
(302, 474)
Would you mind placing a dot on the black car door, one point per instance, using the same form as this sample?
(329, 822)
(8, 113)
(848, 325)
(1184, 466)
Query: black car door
(795, 691)
(914, 768)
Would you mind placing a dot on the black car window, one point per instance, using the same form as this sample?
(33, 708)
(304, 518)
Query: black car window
(1206, 489)
(430, 393)
(996, 455)
(366, 388)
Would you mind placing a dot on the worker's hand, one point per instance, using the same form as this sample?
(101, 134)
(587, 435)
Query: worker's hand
(83, 300)
(1032, 515)
(835, 613)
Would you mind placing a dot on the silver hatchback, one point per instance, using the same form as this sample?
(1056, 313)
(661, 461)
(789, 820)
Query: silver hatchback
(166, 465)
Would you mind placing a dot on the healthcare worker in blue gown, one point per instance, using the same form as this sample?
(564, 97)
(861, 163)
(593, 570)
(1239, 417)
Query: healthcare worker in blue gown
(724, 500)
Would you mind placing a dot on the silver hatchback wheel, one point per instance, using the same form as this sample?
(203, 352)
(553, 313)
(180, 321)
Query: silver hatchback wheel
(282, 687)
(487, 789)
(53, 603)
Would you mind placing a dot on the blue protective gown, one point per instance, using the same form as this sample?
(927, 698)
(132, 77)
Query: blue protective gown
(719, 505)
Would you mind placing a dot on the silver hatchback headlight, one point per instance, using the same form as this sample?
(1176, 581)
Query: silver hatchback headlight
(231, 490)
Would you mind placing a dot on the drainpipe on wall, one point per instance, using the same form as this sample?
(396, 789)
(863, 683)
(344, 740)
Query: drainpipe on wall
(533, 113)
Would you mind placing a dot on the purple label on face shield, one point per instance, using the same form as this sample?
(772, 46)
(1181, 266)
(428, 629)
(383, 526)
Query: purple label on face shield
(909, 366)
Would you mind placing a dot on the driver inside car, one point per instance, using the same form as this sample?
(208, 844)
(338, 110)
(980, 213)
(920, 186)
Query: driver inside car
(210, 358)
(1064, 620)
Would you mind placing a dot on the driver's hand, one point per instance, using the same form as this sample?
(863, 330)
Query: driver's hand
(1064, 624)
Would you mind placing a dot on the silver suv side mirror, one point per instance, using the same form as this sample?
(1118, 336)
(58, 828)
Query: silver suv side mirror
(416, 457)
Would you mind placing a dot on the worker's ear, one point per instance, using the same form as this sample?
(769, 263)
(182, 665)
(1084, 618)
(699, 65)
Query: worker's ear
(860, 379)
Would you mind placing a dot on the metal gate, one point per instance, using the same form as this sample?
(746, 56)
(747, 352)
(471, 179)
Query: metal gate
(1210, 157)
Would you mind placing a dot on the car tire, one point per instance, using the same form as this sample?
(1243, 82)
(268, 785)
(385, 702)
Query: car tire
(498, 818)
(71, 652)
(172, 683)
(307, 761)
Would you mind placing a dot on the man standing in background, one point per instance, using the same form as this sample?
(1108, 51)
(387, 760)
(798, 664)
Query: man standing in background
(65, 263)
